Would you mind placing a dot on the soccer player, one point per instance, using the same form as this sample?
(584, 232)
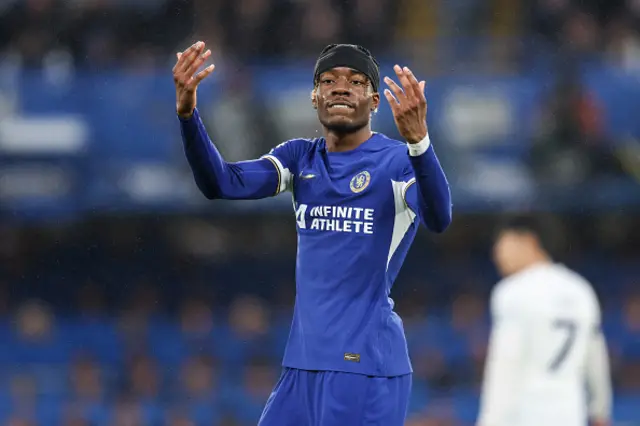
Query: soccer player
(359, 197)
(546, 352)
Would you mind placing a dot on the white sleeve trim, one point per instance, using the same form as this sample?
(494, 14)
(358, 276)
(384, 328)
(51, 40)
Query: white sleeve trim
(405, 188)
(403, 218)
(419, 148)
(284, 175)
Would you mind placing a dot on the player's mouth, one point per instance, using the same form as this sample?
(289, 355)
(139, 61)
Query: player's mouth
(336, 106)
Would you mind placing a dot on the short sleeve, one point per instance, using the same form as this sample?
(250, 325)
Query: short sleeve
(285, 158)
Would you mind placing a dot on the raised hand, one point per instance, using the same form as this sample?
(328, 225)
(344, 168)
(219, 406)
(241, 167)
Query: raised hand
(185, 78)
(408, 104)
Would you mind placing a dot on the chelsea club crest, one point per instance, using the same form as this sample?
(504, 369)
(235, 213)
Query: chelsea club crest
(360, 181)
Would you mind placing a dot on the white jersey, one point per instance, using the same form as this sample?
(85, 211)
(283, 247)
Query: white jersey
(545, 346)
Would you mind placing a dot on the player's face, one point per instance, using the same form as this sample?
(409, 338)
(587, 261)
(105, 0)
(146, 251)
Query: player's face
(509, 251)
(344, 99)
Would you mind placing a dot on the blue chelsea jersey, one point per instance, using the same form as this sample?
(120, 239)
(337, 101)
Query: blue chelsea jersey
(356, 218)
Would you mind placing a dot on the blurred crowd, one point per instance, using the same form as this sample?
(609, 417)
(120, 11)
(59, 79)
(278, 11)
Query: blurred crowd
(98, 34)
(585, 28)
(156, 322)
(101, 34)
(570, 143)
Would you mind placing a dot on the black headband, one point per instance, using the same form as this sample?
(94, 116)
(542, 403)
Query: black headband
(348, 55)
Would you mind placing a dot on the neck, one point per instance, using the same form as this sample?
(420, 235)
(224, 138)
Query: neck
(341, 142)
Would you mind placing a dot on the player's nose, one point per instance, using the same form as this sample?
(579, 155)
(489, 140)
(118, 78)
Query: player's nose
(340, 90)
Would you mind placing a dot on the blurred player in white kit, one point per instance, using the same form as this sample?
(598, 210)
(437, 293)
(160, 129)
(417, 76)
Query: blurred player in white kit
(547, 362)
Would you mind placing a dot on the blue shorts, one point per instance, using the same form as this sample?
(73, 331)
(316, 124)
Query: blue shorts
(331, 398)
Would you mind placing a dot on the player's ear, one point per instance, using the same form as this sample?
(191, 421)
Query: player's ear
(375, 101)
(314, 98)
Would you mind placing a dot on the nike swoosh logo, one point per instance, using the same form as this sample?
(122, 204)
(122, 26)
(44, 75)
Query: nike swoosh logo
(307, 176)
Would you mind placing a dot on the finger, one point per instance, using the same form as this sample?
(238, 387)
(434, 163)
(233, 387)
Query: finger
(175, 67)
(397, 91)
(423, 96)
(188, 56)
(203, 74)
(197, 63)
(182, 56)
(404, 81)
(393, 102)
(179, 67)
(417, 91)
(390, 97)
(192, 56)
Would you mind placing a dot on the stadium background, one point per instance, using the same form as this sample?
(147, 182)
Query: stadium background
(127, 299)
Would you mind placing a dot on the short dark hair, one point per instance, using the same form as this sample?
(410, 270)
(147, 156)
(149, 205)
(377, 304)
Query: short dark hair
(528, 223)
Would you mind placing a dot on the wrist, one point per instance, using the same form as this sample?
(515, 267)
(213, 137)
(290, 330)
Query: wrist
(416, 149)
(186, 116)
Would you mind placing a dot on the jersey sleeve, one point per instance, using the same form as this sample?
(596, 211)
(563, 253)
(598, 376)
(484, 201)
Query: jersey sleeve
(426, 190)
(404, 180)
(284, 158)
(598, 371)
(504, 357)
(243, 180)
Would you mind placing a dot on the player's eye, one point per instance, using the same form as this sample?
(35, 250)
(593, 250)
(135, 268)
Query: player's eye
(357, 82)
(327, 81)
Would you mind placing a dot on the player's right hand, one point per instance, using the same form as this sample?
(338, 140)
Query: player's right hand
(185, 78)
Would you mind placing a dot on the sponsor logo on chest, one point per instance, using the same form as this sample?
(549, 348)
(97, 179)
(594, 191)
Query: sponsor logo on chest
(335, 218)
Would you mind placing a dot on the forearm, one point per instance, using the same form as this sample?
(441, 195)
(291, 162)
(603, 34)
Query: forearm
(217, 178)
(434, 195)
(599, 379)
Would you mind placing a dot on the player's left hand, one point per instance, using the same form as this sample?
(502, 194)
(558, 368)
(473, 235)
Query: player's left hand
(408, 104)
